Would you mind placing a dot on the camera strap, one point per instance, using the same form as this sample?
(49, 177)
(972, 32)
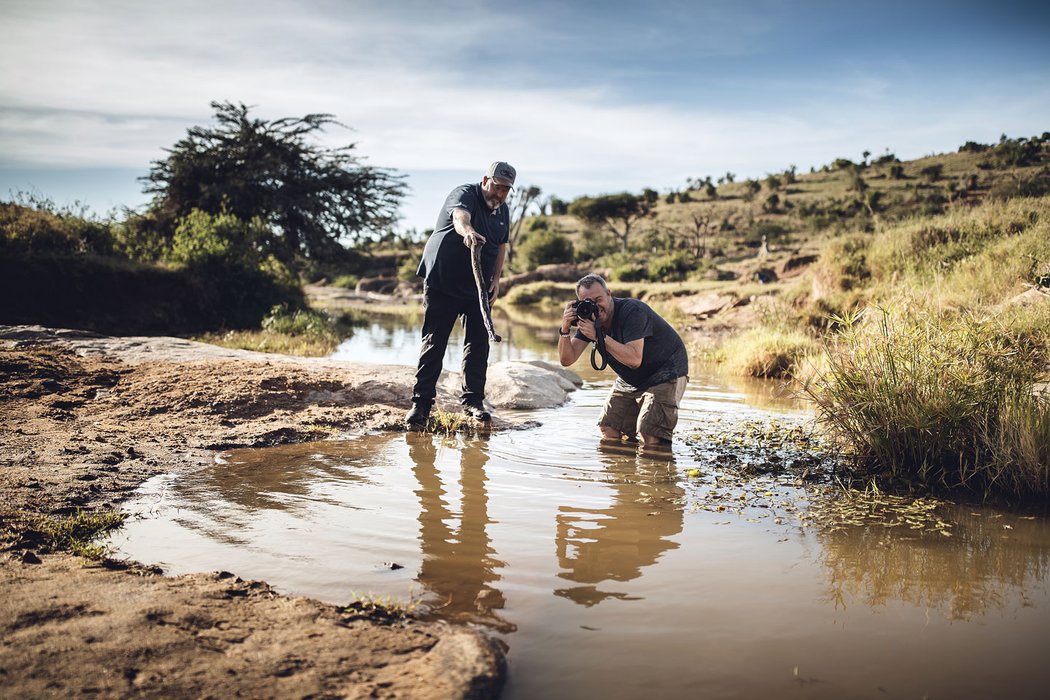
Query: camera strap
(599, 347)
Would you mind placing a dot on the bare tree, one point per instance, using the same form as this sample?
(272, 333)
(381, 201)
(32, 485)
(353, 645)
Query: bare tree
(522, 198)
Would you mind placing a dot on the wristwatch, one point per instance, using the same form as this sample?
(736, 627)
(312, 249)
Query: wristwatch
(564, 335)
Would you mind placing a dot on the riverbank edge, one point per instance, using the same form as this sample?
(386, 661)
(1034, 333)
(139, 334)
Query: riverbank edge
(86, 419)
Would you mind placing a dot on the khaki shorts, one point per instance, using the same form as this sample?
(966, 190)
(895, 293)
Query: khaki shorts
(653, 411)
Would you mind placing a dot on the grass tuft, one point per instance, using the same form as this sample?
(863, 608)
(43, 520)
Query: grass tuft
(75, 533)
(938, 401)
(767, 353)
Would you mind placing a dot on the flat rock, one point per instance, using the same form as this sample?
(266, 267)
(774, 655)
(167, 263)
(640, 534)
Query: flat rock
(523, 384)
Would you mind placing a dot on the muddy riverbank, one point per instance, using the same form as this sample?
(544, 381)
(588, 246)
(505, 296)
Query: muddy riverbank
(83, 421)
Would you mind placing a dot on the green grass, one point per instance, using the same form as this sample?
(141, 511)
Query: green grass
(304, 332)
(767, 352)
(75, 533)
(938, 401)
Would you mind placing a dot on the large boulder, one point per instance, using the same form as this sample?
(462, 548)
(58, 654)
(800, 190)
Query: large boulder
(523, 384)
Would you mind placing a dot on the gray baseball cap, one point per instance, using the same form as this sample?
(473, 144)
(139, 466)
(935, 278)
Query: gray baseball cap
(500, 170)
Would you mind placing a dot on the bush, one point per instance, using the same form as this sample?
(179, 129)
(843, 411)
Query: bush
(933, 172)
(1035, 185)
(543, 247)
(42, 229)
(938, 402)
(201, 236)
(671, 268)
(594, 244)
(1014, 153)
(630, 272)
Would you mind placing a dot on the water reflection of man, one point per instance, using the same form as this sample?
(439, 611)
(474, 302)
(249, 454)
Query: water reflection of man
(616, 543)
(459, 565)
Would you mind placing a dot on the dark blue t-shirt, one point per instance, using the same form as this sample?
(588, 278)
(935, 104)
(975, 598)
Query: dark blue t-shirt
(446, 261)
(664, 356)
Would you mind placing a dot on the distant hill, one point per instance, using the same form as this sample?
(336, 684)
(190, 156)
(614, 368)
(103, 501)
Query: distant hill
(719, 218)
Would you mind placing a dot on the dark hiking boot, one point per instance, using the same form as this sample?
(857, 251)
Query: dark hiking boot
(477, 413)
(418, 415)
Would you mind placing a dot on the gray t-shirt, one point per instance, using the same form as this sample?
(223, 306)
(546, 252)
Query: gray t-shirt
(446, 261)
(664, 356)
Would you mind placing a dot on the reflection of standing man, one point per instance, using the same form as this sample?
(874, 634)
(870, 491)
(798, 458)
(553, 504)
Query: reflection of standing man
(646, 353)
(458, 565)
(473, 214)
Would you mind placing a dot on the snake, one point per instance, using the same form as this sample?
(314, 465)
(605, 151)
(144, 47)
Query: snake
(483, 292)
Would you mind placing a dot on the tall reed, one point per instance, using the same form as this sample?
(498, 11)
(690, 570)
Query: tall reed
(937, 401)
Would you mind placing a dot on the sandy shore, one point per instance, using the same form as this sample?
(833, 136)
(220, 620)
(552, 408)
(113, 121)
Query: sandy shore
(84, 420)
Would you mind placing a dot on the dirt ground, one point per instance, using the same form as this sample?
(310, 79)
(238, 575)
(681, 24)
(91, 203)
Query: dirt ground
(83, 421)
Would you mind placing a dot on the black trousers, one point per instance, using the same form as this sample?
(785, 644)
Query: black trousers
(441, 312)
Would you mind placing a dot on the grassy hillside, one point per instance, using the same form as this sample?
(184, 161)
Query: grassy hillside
(718, 225)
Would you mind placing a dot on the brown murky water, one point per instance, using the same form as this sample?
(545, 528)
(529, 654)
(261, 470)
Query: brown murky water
(606, 574)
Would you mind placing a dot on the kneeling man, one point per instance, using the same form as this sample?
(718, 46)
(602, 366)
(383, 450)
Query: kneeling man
(646, 353)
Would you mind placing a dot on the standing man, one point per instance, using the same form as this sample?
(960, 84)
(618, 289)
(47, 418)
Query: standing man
(648, 356)
(472, 214)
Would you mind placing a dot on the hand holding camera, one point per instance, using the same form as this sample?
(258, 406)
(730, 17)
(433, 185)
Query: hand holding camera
(582, 313)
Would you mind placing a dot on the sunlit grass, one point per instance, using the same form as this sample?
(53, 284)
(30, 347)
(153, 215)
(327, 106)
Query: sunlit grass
(385, 607)
(767, 352)
(938, 401)
(304, 332)
(76, 533)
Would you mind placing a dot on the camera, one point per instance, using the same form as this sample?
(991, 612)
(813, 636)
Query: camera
(586, 309)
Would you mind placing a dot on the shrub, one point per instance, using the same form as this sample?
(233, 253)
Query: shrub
(937, 401)
(544, 247)
(630, 271)
(38, 227)
(1035, 185)
(346, 281)
(671, 268)
(1014, 153)
(201, 236)
(933, 172)
(843, 263)
(594, 244)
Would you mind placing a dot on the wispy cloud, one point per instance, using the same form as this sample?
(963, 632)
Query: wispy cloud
(592, 96)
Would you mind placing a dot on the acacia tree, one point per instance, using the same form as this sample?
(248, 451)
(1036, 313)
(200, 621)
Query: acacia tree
(316, 201)
(617, 213)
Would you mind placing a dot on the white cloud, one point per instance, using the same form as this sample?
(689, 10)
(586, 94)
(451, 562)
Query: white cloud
(113, 83)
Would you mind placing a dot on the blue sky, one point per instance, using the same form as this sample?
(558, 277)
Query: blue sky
(583, 97)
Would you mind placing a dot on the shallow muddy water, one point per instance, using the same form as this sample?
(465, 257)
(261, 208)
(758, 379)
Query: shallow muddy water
(608, 573)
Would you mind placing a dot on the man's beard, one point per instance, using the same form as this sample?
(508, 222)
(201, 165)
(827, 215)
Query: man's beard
(493, 203)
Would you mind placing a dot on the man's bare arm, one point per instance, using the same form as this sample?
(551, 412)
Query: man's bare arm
(461, 222)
